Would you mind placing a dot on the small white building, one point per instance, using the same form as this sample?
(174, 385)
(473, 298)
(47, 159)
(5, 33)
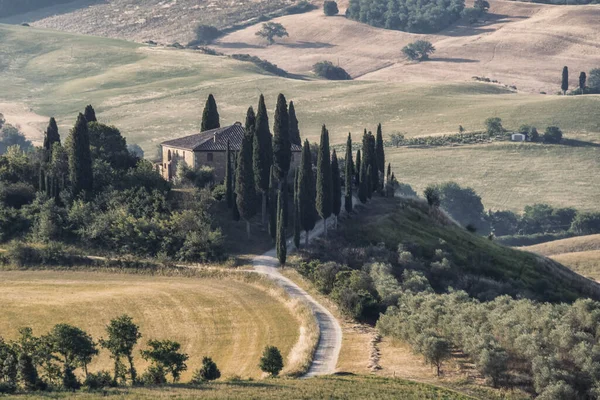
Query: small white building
(518, 137)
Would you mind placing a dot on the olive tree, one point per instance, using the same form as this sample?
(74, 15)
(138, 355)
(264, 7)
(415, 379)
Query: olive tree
(271, 30)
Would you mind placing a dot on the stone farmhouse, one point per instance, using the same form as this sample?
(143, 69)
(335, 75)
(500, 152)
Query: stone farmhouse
(208, 148)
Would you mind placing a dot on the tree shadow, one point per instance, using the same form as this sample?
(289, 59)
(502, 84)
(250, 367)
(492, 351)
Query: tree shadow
(239, 45)
(308, 45)
(50, 11)
(452, 60)
(578, 143)
(461, 28)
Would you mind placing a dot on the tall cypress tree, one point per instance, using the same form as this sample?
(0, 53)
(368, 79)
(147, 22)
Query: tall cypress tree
(369, 181)
(297, 225)
(565, 80)
(244, 183)
(370, 160)
(281, 241)
(357, 167)
(235, 213)
(51, 136)
(362, 186)
(229, 189)
(380, 151)
(282, 147)
(348, 176)
(263, 154)
(336, 185)
(582, 81)
(389, 171)
(272, 205)
(90, 114)
(80, 158)
(324, 181)
(210, 115)
(306, 192)
(294, 129)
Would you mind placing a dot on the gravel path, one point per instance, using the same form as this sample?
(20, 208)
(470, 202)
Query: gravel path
(330, 340)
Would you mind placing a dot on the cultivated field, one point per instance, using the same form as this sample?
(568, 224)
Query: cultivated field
(226, 319)
(581, 254)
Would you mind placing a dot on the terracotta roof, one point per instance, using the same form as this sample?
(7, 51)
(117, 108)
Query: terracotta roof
(215, 140)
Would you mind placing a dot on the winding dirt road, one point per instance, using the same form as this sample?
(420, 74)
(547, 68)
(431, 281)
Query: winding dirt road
(330, 340)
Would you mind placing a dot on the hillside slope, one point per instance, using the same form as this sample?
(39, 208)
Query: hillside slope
(522, 44)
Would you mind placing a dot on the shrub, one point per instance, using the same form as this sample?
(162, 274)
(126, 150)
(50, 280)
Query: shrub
(299, 8)
(154, 376)
(166, 357)
(262, 64)
(98, 380)
(553, 134)
(330, 8)
(432, 195)
(16, 195)
(419, 50)
(206, 34)
(271, 361)
(208, 372)
(69, 381)
(493, 126)
(586, 224)
(471, 14)
(326, 69)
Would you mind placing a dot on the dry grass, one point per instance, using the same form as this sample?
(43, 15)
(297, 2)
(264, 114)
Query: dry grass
(570, 245)
(586, 263)
(227, 319)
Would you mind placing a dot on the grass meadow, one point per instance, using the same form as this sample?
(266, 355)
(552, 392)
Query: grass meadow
(227, 319)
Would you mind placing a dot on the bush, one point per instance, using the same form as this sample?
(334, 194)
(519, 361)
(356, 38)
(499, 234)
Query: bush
(262, 64)
(586, 224)
(16, 195)
(299, 8)
(471, 14)
(326, 69)
(553, 134)
(330, 8)
(206, 34)
(419, 50)
(98, 380)
(154, 376)
(432, 195)
(271, 361)
(208, 372)
(494, 126)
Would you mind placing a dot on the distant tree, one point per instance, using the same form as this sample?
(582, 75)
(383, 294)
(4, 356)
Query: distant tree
(363, 183)
(369, 182)
(471, 14)
(582, 79)
(586, 224)
(463, 204)
(229, 187)
(206, 34)
(80, 158)
(432, 195)
(553, 134)
(324, 199)
(349, 173)
(357, 167)
(271, 361)
(297, 222)
(330, 8)
(271, 30)
(306, 192)
(69, 380)
(108, 144)
(27, 371)
(165, 356)
(75, 347)
(51, 136)
(380, 153)
(461, 129)
(565, 80)
(11, 136)
(245, 188)
(272, 205)
(436, 350)
(281, 240)
(494, 126)
(419, 50)
(593, 80)
(282, 150)
(534, 135)
(336, 180)
(482, 5)
(294, 129)
(123, 335)
(210, 115)
(262, 158)
(90, 114)
(396, 139)
(135, 150)
(370, 159)
(208, 372)
(327, 70)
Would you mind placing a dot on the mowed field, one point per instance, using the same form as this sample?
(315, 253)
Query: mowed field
(226, 319)
(581, 254)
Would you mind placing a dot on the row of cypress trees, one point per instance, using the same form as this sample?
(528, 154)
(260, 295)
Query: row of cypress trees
(258, 176)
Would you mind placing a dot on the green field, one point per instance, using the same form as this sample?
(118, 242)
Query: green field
(227, 319)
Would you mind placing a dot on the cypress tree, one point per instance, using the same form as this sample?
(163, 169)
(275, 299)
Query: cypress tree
(297, 227)
(294, 129)
(281, 242)
(369, 181)
(235, 213)
(565, 80)
(282, 147)
(244, 183)
(362, 186)
(90, 114)
(380, 151)
(51, 136)
(306, 192)
(210, 115)
(357, 167)
(228, 178)
(324, 181)
(263, 154)
(272, 205)
(336, 185)
(348, 176)
(80, 158)
(389, 171)
(582, 81)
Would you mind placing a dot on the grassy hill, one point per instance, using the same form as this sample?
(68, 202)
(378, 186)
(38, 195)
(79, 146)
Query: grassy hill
(478, 265)
(226, 319)
(581, 254)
